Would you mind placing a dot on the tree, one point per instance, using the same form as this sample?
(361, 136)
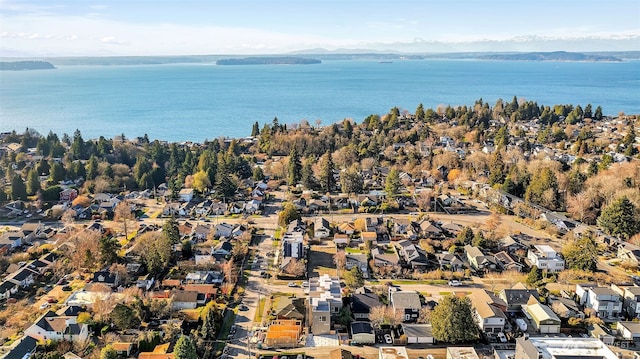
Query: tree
(108, 250)
(392, 184)
(123, 213)
(619, 218)
(185, 348)
(377, 315)
(420, 116)
(296, 268)
(201, 181)
(108, 353)
(543, 189)
(171, 231)
(33, 182)
(56, 173)
(340, 259)
(307, 177)
(255, 130)
(344, 316)
(534, 276)
(452, 321)
(155, 250)
(351, 181)
(123, 317)
(354, 278)
(257, 174)
(424, 317)
(288, 214)
(210, 321)
(18, 189)
(295, 167)
(465, 236)
(581, 253)
(327, 181)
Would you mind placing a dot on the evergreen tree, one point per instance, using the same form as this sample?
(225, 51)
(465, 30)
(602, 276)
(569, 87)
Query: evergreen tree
(534, 275)
(18, 188)
(619, 218)
(288, 214)
(465, 236)
(327, 181)
(307, 178)
(420, 115)
(42, 168)
(452, 321)
(392, 183)
(185, 348)
(496, 169)
(351, 181)
(257, 174)
(598, 114)
(255, 131)
(33, 182)
(56, 173)
(295, 167)
(171, 231)
(582, 254)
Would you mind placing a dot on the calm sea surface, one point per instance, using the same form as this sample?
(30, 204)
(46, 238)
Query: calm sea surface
(199, 101)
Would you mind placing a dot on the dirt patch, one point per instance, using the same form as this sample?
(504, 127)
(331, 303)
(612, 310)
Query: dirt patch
(321, 260)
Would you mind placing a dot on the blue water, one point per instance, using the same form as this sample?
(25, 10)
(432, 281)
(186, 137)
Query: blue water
(195, 102)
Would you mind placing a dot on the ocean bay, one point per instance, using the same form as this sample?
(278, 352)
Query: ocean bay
(181, 102)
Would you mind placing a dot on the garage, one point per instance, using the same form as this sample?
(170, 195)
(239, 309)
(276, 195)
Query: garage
(418, 333)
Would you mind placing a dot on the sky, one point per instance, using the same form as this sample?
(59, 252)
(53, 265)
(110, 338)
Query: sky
(192, 27)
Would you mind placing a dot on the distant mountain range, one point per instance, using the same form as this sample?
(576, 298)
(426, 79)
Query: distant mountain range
(549, 56)
(280, 60)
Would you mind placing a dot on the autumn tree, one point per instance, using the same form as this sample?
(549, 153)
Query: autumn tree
(452, 321)
(354, 278)
(296, 268)
(619, 218)
(340, 259)
(201, 181)
(543, 189)
(288, 214)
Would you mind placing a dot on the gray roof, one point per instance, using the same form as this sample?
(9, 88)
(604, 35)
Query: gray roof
(417, 330)
(361, 327)
(409, 300)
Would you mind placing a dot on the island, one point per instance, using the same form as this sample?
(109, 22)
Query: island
(549, 56)
(269, 61)
(26, 65)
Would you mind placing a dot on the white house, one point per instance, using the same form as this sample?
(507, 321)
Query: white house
(605, 302)
(629, 331)
(185, 195)
(224, 230)
(50, 326)
(543, 318)
(489, 312)
(418, 333)
(545, 258)
(321, 228)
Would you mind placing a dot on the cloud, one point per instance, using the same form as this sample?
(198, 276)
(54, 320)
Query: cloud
(112, 40)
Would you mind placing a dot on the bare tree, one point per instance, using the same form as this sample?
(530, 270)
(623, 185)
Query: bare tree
(425, 315)
(377, 315)
(123, 213)
(340, 260)
(296, 268)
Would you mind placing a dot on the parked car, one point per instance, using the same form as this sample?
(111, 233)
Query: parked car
(455, 283)
(502, 337)
(243, 308)
(52, 300)
(305, 284)
(388, 339)
(44, 305)
(292, 285)
(66, 288)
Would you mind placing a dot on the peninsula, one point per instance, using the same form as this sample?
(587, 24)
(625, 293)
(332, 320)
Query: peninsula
(268, 61)
(26, 65)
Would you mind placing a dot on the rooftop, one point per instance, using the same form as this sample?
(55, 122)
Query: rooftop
(393, 353)
(571, 348)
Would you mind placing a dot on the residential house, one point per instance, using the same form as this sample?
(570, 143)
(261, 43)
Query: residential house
(321, 228)
(401, 226)
(562, 347)
(384, 258)
(223, 248)
(184, 299)
(50, 326)
(252, 206)
(629, 331)
(224, 230)
(341, 239)
(582, 291)
(293, 245)
(517, 299)
(605, 302)
(68, 195)
(297, 226)
(629, 253)
(563, 223)
(358, 260)
(24, 277)
(32, 230)
(506, 262)
(22, 348)
(511, 244)
(412, 255)
(11, 240)
(544, 320)
(346, 228)
(283, 333)
(449, 261)
(489, 310)
(452, 228)
(631, 301)
(565, 308)
(185, 195)
(362, 302)
(122, 349)
(430, 230)
(8, 288)
(106, 277)
(362, 333)
(290, 308)
(201, 231)
(545, 258)
(326, 301)
(407, 303)
(370, 237)
(478, 260)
